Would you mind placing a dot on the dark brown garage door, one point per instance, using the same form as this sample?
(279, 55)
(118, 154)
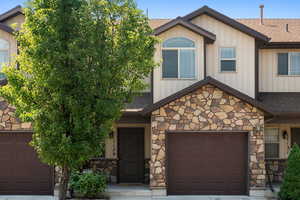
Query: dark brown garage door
(21, 172)
(207, 163)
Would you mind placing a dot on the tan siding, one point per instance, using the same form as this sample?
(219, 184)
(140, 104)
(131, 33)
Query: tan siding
(18, 20)
(165, 87)
(12, 43)
(269, 80)
(243, 79)
(147, 81)
(111, 145)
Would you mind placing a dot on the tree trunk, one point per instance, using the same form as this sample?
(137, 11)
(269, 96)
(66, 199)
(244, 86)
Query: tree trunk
(63, 188)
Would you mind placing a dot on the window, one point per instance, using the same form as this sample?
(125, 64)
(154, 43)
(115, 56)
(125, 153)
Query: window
(289, 63)
(272, 142)
(178, 58)
(4, 55)
(228, 59)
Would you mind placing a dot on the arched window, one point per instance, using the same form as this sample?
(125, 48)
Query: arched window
(4, 55)
(178, 58)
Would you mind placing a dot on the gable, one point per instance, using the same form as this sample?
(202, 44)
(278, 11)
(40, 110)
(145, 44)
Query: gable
(219, 28)
(226, 20)
(17, 20)
(210, 37)
(11, 13)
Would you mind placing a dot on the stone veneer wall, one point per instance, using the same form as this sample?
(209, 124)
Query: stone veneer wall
(208, 108)
(8, 122)
(110, 168)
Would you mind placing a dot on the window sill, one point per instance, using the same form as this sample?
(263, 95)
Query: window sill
(179, 79)
(228, 72)
(288, 75)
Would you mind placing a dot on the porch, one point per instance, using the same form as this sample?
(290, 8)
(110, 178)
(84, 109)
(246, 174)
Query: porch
(279, 139)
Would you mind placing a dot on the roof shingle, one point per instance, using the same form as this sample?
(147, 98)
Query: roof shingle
(273, 28)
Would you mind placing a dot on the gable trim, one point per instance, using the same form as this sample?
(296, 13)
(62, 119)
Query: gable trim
(192, 27)
(11, 13)
(199, 84)
(6, 28)
(226, 20)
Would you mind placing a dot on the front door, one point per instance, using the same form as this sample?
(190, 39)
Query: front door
(296, 136)
(131, 155)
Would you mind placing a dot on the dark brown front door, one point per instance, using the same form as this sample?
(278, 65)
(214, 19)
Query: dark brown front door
(296, 136)
(207, 163)
(21, 172)
(131, 155)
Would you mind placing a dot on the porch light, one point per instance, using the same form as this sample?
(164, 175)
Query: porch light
(284, 134)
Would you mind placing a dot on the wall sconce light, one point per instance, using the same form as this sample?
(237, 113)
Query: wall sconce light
(284, 134)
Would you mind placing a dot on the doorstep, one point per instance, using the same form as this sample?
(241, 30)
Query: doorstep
(123, 190)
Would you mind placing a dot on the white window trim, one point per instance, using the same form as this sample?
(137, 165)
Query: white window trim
(6, 49)
(279, 146)
(178, 57)
(289, 65)
(234, 59)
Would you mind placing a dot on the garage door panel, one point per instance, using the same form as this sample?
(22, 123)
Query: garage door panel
(21, 172)
(207, 163)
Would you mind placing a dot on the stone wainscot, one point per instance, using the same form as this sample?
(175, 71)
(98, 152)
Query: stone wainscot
(8, 121)
(208, 109)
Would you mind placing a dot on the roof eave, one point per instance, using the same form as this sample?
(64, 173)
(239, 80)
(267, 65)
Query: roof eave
(6, 28)
(11, 13)
(282, 45)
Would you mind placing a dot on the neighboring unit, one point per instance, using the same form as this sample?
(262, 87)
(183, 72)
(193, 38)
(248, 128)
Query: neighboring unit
(219, 118)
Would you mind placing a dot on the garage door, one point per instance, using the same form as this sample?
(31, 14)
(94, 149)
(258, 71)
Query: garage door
(21, 172)
(207, 163)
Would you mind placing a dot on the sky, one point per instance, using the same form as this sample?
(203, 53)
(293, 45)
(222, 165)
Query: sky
(231, 8)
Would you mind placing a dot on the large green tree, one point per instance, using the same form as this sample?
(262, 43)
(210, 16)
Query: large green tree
(79, 62)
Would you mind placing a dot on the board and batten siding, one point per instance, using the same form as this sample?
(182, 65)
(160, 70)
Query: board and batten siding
(244, 77)
(269, 80)
(165, 87)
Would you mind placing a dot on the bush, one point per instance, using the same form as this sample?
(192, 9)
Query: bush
(88, 184)
(290, 188)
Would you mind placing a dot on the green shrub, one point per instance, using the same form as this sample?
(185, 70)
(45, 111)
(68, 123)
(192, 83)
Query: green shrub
(290, 188)
(88, 184)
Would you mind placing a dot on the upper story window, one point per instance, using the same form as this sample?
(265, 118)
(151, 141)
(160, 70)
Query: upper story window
(227, 59)
(289, 63)
(272, 142)
(178, 58)
(4, 55)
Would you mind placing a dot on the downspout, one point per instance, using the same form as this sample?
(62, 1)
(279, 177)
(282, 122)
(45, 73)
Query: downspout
(204, 59)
